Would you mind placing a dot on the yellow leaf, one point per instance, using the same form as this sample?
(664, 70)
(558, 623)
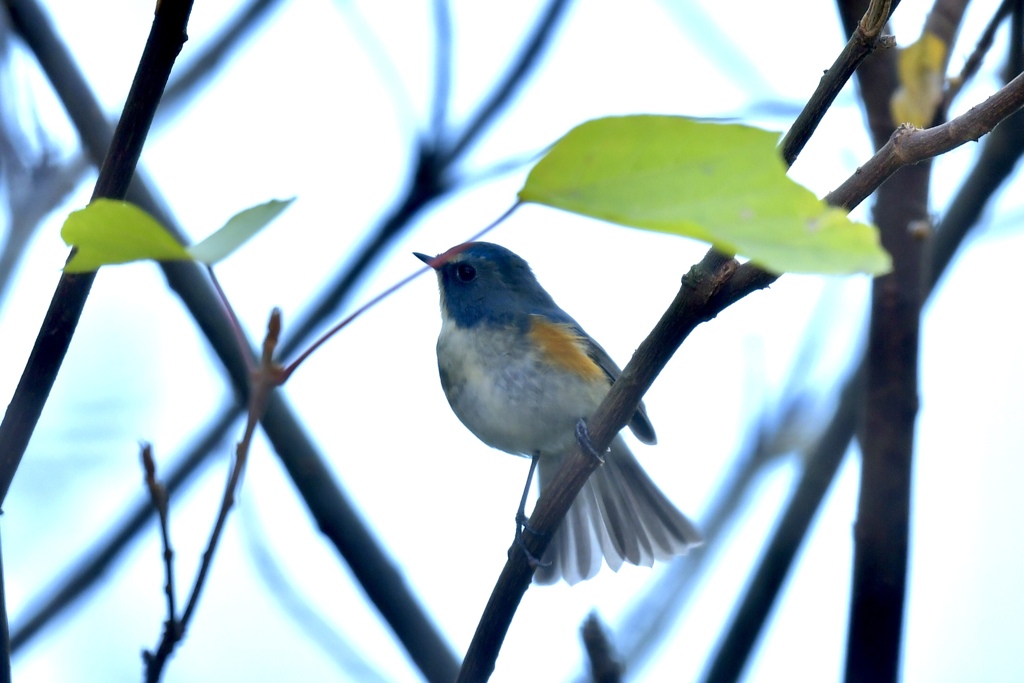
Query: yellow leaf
(921, 68)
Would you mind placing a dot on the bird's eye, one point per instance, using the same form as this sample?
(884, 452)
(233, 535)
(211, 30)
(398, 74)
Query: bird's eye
(465, 272)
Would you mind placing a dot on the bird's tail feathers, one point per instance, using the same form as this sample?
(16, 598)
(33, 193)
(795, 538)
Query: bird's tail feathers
(620, 515)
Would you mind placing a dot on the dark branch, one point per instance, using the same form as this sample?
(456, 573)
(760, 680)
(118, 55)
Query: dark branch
(515, 578)
(861, 44)
(908, 145)
(973, 63)
(603, 663)
(5, 633)
(213, 55)
(165, 41)
(744, 628)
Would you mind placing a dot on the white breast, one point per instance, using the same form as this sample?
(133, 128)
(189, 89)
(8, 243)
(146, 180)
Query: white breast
(499, 387)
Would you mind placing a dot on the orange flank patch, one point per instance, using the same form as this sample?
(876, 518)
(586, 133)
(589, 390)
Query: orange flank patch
(564, 346)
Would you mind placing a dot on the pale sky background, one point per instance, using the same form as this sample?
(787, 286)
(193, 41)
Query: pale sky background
(303, 111)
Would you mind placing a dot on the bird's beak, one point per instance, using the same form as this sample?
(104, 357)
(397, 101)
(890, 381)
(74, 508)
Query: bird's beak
(432, 261)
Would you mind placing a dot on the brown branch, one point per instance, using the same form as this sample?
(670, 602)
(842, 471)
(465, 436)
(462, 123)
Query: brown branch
(158, 495)
(889, 408)
(908, 145)
(944, 20)
(265, 379)
(973, 62)
(861, 44)
(999, 155)
(172, 627)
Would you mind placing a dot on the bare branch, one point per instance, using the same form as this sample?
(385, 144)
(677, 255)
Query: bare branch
(213, 55)
(908, 145)
(1001, 150)
(266, 378)
(726, 287)
(861, 44)
(973, 63)
(158, 494)
(165, 41)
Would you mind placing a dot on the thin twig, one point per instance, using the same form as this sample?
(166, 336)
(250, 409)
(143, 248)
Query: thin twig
(861, 44)
(431, 178)
(908, 145)
(53, 601)
(974, 61)
(158, 495)
(265, 379)
(287, 371)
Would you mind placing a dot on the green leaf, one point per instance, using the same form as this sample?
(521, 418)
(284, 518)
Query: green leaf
(109, 231)
(723, 184)
(237, 231)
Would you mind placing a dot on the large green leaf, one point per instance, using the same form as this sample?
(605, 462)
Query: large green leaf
(109, 231)
(720, 183)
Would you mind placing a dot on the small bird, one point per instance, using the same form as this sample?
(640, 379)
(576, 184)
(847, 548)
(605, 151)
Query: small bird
(520, 374)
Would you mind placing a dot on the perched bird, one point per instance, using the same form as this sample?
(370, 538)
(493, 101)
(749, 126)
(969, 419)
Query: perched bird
(520, 373)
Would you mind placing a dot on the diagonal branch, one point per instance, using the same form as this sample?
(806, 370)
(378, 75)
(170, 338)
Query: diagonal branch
(861, 44)
(908, 145)
(165, 41)
(213, 55)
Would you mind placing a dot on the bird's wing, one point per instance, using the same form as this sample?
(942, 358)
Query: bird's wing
(566, 343)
